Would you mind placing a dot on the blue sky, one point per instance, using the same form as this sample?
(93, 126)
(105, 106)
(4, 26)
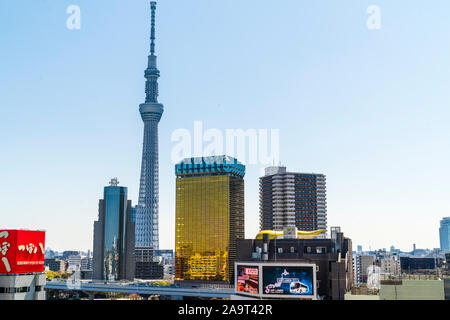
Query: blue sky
(368, 108)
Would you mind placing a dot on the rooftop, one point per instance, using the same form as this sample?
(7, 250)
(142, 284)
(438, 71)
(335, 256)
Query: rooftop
(207, 166)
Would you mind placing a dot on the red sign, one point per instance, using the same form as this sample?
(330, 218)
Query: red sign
(22, 251)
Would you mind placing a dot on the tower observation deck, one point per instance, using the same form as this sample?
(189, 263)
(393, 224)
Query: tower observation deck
(147, 210)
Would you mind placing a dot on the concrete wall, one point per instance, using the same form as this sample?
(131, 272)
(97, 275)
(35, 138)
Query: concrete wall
(447, 289)
(23, 280)
(349, 296)
(413, 290)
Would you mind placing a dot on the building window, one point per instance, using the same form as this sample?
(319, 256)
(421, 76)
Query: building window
(14, 290)
(292, 250)
(321, 250)
(280, 250)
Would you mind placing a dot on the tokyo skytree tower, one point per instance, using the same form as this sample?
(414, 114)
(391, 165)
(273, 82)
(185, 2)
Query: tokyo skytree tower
(147, 210)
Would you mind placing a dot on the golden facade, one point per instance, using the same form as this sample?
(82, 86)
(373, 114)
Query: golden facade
(209, 219)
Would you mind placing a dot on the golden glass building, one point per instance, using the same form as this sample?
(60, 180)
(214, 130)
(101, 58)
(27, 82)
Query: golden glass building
(209, 218)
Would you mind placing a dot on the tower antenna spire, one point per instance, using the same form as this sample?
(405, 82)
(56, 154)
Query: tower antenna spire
(147, 210)
(152, 33)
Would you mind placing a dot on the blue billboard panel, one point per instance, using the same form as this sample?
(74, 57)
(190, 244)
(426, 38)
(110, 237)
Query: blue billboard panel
(293, 280)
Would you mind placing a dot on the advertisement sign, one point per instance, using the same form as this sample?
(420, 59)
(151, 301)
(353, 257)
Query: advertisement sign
(22, 251)
(247, 279)
(288, 280)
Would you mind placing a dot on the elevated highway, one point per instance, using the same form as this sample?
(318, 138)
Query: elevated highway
(90, 287)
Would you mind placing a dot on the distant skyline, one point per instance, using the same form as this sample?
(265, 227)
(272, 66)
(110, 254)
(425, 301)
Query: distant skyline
(367, 108)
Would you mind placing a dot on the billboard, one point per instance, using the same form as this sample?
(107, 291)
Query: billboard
(247, 279)
(22, 251)
(280, 280)
(294, 280)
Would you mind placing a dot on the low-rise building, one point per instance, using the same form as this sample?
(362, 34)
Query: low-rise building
(447, 288)
(361, 264)
(412, 264)
(74, 262)
(388, 265)
(56, 265)
(149, 270)
(22, 274)
(86, 262)
(260, 261)
(22, 286)
(412, 288)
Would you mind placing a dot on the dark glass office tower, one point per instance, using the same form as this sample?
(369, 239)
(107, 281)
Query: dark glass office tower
(209, 218)
(114, 235)
(288, 199)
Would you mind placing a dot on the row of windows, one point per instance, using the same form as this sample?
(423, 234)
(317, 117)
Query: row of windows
(283, 184)
(311, 179)
(308, 250)
(269, 188)
(318, 250)
(19, 290)
(209, 212)
(270, 202)
(287, 250)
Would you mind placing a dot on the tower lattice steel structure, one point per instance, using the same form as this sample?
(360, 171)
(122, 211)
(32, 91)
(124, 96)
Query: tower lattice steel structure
(147, 210)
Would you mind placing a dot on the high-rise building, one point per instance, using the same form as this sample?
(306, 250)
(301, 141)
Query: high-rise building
(114, 236)
(444, 234)
(289, 199)
(209, 218)
(147, 210)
